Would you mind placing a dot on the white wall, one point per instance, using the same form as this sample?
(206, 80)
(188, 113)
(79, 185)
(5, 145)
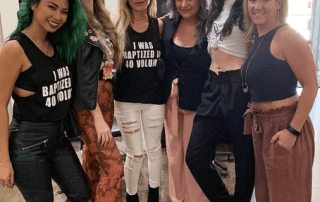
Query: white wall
(8, 9)
(8, 22)
(112, 6)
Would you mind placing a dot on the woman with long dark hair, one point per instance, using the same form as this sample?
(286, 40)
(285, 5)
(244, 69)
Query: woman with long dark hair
(184, 51)
(34, 70)
(219, 116)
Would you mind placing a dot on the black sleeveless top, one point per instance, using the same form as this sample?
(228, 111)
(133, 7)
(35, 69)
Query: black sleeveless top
(138, 80)
(49, 78)
(180, 53)
(268, 78)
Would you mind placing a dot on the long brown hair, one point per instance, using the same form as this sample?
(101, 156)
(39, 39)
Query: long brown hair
(100, 22)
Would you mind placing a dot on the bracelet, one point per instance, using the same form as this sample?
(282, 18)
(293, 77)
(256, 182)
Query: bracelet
(293, 131)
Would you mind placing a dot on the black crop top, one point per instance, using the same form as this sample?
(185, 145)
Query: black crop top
(268, 78)
(49, 78)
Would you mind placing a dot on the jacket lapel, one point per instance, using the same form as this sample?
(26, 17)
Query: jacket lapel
(91, 37)
(173, 25)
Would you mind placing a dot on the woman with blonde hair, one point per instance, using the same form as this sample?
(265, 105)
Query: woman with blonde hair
(139, 100)
(94, 105)
(282, 132)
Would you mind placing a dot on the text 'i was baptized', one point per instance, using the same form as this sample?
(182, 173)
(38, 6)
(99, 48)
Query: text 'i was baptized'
(60, 90)
(142, 55)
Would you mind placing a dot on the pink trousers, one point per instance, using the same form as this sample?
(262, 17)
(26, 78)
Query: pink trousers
(178, 125)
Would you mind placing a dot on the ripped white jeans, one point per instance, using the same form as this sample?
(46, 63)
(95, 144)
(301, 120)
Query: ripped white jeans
(134, 121)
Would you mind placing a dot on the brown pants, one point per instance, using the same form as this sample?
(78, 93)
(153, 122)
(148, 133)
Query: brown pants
(106, 185)
(281, 175)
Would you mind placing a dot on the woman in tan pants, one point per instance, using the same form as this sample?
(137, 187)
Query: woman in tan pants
(278, 119)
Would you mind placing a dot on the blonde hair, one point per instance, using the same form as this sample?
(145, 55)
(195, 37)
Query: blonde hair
(101, 23)
(251, 28)
(125, 17)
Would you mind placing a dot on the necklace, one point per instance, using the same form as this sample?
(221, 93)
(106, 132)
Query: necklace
(46, 50)
(141, 20)
(245, 87)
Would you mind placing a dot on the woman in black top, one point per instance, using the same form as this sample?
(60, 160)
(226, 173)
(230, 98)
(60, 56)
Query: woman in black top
(278, 120)
(187, 63)
(34, 69)
(219, 115)
(138, 94)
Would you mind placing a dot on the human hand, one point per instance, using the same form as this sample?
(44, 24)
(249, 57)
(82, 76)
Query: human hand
(103, 131)
(6, 174)
(285, 139)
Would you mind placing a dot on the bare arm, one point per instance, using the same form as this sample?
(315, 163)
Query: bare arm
(103, 131)
(299, 56)
(161, 23)
(297, 53)
(10, 67)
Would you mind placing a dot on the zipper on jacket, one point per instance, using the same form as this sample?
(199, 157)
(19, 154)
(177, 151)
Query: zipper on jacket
(34, 145)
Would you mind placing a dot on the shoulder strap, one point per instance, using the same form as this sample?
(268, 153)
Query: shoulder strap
(28, 46)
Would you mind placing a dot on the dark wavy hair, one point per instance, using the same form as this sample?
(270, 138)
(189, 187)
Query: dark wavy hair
(202, 15)
(68, 37)
(235, 17)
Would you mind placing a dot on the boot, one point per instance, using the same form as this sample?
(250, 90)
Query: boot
(153, 195)
(132, 198)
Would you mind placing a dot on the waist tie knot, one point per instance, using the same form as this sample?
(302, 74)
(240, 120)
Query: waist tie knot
(251, 123)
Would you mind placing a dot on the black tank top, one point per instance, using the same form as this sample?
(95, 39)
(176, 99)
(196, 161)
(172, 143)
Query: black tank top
(180, 53)
(49, 78)
(268, 78)
(138, 80)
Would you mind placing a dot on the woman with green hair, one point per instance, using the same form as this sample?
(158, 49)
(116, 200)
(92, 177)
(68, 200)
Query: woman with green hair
(34, 70)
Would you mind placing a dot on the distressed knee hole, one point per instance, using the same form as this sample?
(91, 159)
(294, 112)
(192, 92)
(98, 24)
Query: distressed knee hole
(128, 123)
(126, 131)
(130, 127)
(134, 162)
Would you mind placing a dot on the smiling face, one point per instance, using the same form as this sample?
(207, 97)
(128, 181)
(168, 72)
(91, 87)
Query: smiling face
(264, 13)
(50, 15)
(139, 5)
(188, 9)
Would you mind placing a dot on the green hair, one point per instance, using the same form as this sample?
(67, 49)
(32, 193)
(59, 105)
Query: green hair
(67, 38)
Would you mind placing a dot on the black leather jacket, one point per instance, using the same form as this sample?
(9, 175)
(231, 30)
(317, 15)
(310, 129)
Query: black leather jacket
(85, 69)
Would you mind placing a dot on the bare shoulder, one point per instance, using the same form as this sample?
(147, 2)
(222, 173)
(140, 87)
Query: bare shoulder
(287, 37)
(160, 22)
(12, 55)
(12, 48)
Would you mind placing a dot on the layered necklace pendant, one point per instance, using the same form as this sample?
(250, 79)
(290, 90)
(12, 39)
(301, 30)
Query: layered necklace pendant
(245, 88)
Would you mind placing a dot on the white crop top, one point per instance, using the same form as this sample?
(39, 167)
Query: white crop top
(235, 44)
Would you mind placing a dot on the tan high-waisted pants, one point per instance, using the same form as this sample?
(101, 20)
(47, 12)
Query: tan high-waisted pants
(281, 175)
